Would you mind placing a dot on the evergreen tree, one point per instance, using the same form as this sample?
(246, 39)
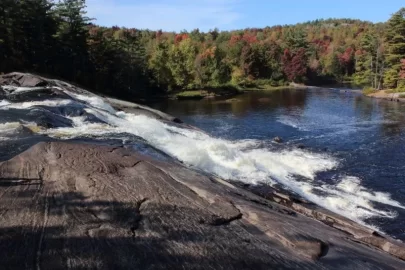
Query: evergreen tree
(26, 35)
(395, 51)
(369, 61)
(72, 36)
(9, 12)
(296, 39)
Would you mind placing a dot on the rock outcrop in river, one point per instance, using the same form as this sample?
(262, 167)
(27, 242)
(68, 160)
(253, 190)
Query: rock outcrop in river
(87, 205)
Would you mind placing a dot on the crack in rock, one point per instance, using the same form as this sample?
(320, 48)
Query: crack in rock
(220, 221)
(138, 217)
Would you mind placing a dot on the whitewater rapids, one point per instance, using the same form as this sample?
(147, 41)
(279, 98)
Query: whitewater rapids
(247, 161)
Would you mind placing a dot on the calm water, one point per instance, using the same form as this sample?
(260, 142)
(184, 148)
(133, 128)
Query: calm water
(365, 136)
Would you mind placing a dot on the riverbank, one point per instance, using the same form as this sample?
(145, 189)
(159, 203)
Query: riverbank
(231, 91)
(387, 95)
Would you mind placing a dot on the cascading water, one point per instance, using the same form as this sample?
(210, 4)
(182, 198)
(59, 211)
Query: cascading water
(242, 160)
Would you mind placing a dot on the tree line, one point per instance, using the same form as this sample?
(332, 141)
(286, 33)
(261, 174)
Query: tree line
(58, 39)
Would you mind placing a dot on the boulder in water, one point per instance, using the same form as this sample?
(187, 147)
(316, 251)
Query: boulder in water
(301, 146)
(47, 119)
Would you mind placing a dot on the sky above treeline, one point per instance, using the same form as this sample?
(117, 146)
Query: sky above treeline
(177, 15)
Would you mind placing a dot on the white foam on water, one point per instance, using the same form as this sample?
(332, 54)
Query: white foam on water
(17, 89)
(7, 130)
(239, 160)
(80, 129)
(94, 101)
(292, 122)
(30, 104)
(9, 127)
(4, 103)
(358, 198)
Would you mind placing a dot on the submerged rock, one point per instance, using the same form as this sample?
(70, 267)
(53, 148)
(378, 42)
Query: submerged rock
(92, 206)
(301, 146)
(264, 100)
(232, 100)
(47, 119)
(141, 110)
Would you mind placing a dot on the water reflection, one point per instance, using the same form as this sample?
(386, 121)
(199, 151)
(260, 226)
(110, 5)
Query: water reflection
(390, 114)
(239, 106)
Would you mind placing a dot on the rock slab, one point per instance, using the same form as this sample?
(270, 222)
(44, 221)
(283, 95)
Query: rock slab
(83, 206)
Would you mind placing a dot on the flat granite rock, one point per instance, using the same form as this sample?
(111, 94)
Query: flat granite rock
(82, 206)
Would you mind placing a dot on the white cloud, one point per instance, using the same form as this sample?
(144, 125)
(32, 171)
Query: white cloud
(174, 15)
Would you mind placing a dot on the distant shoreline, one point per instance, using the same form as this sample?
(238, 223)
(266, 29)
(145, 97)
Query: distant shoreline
(217, 92)
(383, 94)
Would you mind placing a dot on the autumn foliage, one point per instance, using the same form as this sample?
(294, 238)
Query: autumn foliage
(132, 62)
(295, 65)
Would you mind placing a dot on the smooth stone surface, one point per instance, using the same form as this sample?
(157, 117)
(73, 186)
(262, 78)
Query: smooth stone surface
(80, 206)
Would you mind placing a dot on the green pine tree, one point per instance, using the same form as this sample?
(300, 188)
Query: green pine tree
(395, 48)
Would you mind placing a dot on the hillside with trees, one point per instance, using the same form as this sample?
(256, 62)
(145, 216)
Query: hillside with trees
(58, 39)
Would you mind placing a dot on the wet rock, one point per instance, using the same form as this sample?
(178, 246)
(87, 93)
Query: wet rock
(46, 119)
(40, 88)
(24, 131)
(35, 94)
(22, 80)
(301, 146)
(278, 140)
(28, 80)
(140, 109)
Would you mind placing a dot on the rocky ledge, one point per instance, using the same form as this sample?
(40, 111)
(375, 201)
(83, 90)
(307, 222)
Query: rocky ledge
(82, 206)
(90, 206)
(40, 88)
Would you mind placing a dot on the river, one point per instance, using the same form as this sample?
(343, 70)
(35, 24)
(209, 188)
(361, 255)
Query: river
(342, 151)
(363, 137)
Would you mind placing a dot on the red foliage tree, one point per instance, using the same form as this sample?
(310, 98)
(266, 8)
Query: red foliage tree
(180, 37)
(234, 39)
(249, 38)
(346, 60)
(246, 61)
(295, 65)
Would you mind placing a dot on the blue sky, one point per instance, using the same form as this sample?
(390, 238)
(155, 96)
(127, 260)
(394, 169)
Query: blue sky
(176, 15)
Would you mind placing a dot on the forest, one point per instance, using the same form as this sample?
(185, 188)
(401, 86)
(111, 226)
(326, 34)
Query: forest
(58, 39)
